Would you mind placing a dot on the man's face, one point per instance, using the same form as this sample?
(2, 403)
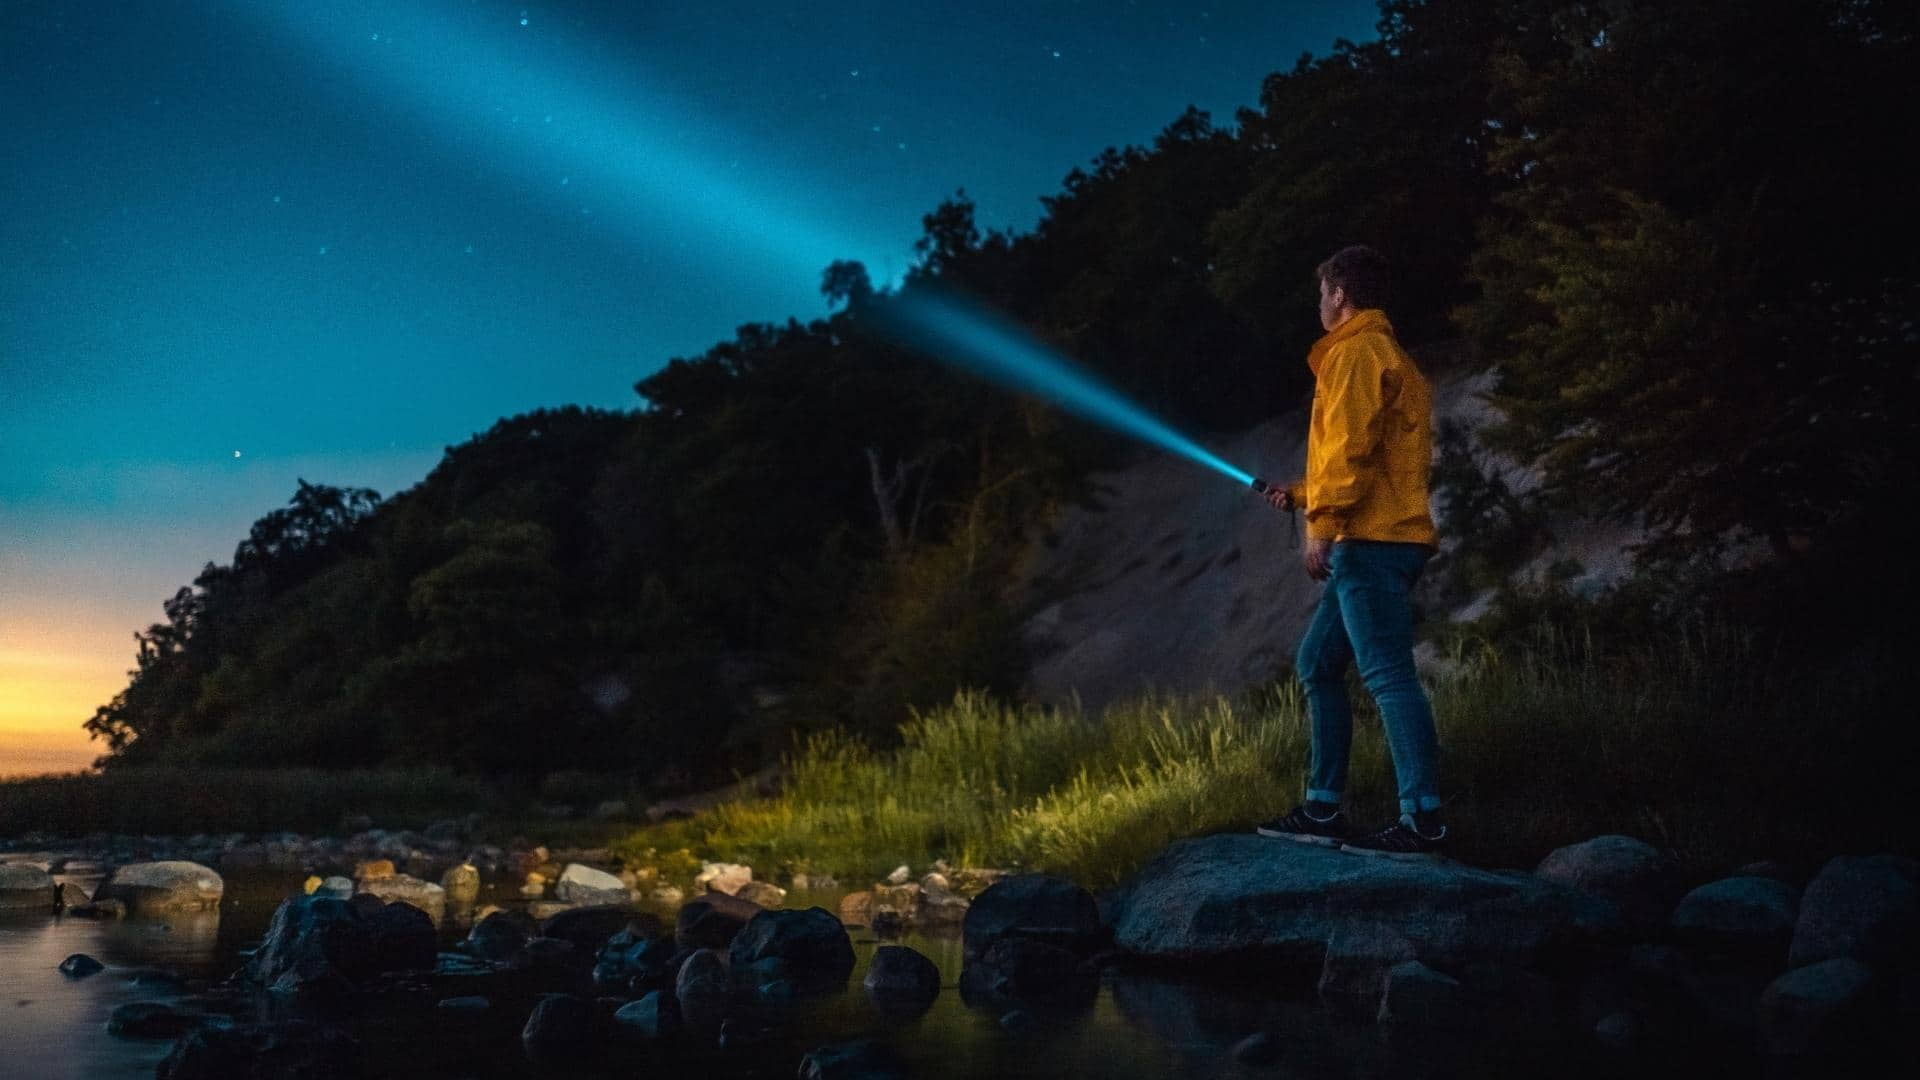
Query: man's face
(1331, 299)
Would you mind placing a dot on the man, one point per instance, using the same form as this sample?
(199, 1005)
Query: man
(1369, 534)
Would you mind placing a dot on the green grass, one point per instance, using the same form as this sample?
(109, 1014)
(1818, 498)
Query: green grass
(1698, 745)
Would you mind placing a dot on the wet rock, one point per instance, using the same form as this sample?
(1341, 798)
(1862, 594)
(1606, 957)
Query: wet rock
(100, 909)
(634, 961)
(1754, 914)
(712, 921)
(68, 896)
(461, 883)
(335, 886)
(80, 965)
(374, 870)
(764, 893)
(702, 989)
(264, 1052)
(163, 888)
(1864, 907)
(722, 877)
(584, 885)
(1230, 895)
(561, 1027)
(901, 982)
(312, 941)
(812, 944)
(500, 935)
(25, 888)
(940, 906)
(1640, 881)
(900, 876)
(655, 1016)
(1032, 906)
(590, 927)
(150, 1020)
(856, 909)
(1818, 1007)
(1027, 968)
(405, 888)
(470, 1003)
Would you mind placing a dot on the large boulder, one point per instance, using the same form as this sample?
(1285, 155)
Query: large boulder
(26, 888)
(316, 941)
(1864, 907)
(1639, 880)
(163, 888)
(1824, 1006)
(500, 934)
(1238, 896)
(810, 947)
(584, 885)
(901, 982)
(1747, 913)
(1037, 906)
(561, 1027)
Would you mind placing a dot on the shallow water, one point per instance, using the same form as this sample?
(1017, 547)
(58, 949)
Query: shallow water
(1138, 1025)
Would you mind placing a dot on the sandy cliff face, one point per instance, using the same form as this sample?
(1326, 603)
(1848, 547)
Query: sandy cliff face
(1183, 581)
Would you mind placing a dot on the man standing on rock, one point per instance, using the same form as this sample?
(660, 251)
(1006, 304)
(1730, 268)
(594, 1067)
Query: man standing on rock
(1369, 534)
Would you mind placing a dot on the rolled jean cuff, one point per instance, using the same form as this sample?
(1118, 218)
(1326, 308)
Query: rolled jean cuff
(1425, 804)
(1318, 795)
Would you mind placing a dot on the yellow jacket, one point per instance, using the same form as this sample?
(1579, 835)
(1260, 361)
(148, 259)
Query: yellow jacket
(1370, 443)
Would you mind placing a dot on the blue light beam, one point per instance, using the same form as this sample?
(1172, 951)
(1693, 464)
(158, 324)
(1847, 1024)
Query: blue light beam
(970, 336)
(475, 78)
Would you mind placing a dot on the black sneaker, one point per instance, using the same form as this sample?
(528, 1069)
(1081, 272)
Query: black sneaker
(1299, 825)
(1398, 841)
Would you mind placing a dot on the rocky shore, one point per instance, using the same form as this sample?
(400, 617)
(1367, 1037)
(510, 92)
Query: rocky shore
(1601, 941)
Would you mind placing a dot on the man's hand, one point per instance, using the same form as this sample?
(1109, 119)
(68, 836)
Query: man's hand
(1319, 558)
(1280, 498)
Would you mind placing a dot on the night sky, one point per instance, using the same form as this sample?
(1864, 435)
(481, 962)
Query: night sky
(247, 242)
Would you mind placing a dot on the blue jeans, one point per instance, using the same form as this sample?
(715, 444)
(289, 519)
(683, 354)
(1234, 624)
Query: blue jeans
(1366, 613)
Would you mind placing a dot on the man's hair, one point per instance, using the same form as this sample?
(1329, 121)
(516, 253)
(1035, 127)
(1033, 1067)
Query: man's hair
(1362, 272)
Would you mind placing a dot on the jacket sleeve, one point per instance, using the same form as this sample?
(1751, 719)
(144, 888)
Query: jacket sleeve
(1353, 383)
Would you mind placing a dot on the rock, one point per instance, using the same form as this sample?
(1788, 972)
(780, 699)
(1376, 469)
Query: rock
(1620, 1030)
(860, 1059)
(100, 909)
(405, 888)
(560, 1027)
(900, 876)
(547, 909)
(26, 888)
(610, 810)
(1415, 994)
(764, 893)
(1359, 955)
(535, 886)
(374, 870)
(590, 927)
(1228, 895)
(67, 896)
(462, 883)
(901, 982)
(584, 885)
(336, 886)
(1632, 874)
(500, 935)
(1028, 969)
(668, 895)
(263, 1051)
(634, 961)
(812, 943)
(940, 906)
(312, 940)
(1751, 913)
(712, 921)
(722, 877)
(856, 909)
(1032, 906)
(1018, 1021)
(1818, 1007)
(150, 1020)
(739, 1034)
(80, 965)
(1864, 907)
(654, 1016)
(471, 1003)
(163, 888)
(701, 988)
